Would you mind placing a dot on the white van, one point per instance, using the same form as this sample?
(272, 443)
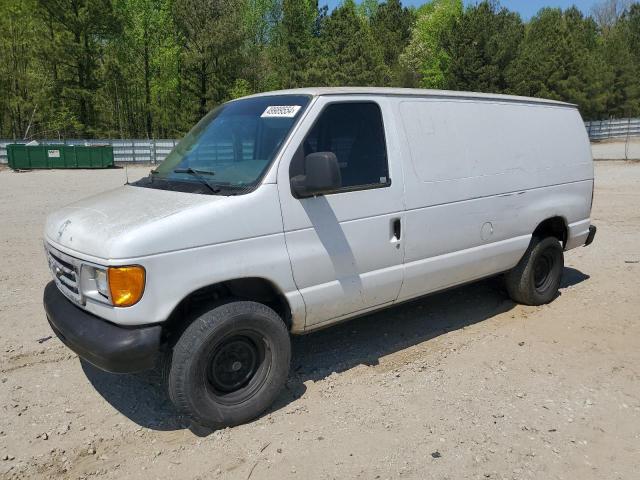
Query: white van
(289, 211)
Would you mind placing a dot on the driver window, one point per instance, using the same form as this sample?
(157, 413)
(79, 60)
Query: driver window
(355, 134)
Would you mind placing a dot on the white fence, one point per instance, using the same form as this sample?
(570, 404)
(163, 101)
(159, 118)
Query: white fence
(614, 128)
(155, 151)
(143, 151)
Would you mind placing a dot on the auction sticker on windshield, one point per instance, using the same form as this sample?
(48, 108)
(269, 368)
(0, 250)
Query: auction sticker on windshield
(282, 111)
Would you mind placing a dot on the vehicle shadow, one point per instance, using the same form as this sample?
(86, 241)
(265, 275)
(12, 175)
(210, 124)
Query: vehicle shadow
(571, 277)
(363, 341)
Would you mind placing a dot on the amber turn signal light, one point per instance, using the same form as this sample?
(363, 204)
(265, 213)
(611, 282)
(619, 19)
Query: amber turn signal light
(126, 285)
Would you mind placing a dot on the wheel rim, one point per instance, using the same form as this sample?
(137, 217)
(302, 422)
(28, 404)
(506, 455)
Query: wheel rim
(542, 271)
(238, 367)
(235, 361)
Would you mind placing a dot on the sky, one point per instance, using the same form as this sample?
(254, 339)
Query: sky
(526, 8)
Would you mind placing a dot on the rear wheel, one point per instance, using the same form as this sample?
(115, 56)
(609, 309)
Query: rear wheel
(536, 278)
(230, 364)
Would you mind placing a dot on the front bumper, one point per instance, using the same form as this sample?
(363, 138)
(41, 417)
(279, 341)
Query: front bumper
(103, 344)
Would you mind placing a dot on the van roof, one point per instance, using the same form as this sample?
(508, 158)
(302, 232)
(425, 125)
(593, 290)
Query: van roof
(411, 92)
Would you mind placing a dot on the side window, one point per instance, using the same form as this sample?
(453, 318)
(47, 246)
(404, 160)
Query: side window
(355, 134)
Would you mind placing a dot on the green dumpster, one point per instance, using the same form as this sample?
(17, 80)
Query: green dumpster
(26, 157)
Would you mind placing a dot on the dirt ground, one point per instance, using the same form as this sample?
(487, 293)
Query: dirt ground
(617, 149)
(464, 384)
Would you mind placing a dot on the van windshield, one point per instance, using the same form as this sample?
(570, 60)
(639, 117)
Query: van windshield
(230, 149)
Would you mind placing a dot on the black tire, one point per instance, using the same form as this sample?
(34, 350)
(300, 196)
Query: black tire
(536, 278)
(230, 364)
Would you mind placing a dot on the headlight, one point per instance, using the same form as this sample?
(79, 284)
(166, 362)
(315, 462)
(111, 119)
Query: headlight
(118, 286)
(102, 285)
(94, 283)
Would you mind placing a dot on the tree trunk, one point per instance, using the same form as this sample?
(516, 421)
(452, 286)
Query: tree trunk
(203, 88)
(147, 85)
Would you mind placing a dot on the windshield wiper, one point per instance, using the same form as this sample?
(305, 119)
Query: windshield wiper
(194, 171)
(199, 174)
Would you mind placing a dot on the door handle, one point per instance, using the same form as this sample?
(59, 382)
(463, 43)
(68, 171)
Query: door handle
(397, 229)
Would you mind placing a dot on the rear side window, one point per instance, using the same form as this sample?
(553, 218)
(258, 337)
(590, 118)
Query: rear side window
(354, 132)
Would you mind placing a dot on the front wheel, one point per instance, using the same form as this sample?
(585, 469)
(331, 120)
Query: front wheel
(230, 364)
(536, 278)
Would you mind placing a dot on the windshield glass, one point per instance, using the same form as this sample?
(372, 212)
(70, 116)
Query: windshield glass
(231, 147)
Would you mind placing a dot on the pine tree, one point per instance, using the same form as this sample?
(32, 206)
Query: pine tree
(211, 46)
(140, 71)
(350, 56)
(632, 21)
(558, 59)
(294, 47)
(130, 68)
(391, 28)
(481, 45)
(620, 49)
(79, 31)
(260, 21)
(19, 79)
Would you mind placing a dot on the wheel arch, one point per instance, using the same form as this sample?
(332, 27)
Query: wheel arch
(555, 226)
(257, 289)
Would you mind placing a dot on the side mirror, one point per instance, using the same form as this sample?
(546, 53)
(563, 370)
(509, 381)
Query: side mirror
(322, 175)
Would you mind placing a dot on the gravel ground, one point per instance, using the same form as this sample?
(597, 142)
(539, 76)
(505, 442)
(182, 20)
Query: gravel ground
(464, 384)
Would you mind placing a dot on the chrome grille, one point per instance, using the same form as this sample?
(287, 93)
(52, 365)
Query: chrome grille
(66, 273)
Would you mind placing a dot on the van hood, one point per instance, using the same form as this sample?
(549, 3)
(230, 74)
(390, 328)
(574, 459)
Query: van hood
(127, 222)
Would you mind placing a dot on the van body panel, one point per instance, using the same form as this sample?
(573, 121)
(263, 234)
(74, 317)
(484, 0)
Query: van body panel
(245, 242)
(119, 224)
(508, 215)
(330, 262)
(480, 177)
(172, 276)
(103, 225)
(433, 273)
(459, 150)
(470, 175)
(343, 254)
(411, 93)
